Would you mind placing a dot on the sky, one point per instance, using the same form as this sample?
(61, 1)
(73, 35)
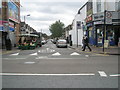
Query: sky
(43, 13)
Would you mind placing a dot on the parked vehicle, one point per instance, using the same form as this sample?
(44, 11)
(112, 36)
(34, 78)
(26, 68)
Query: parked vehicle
(61, 43)
(43, 42)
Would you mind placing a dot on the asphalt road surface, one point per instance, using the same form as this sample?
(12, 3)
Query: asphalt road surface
(51, 67)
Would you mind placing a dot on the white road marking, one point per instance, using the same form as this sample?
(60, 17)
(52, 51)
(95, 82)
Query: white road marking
(102, 73)
(74, 54)
(27, 74)
(65, 58)
(115, 75)
(5, 58)
(45, 57)
(53, 50)
(56, 54)
(86, 55)
(29, 62)
(34, 54)
(20, 58)
(47, 49)
(39, 51)
(14, 54)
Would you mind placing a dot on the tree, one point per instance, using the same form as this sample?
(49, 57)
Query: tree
(57, 29)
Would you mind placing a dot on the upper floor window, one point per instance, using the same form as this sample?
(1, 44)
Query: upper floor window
(98, 5)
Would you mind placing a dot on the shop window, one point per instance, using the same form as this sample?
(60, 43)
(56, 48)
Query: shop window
(99, 34)
(90, 34)
(99, 6)
(110, 35)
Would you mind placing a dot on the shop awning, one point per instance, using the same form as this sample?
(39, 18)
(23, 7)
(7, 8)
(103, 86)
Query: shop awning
(28, 35)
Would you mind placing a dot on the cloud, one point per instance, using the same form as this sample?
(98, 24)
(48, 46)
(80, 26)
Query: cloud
(43, 14)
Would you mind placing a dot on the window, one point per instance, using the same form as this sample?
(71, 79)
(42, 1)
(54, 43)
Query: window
(99, 6)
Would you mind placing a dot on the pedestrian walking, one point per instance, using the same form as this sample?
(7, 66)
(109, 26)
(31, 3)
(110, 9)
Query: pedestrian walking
(85, 43)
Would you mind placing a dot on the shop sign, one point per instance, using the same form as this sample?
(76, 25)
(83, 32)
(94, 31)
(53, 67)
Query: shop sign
(98, 16)
(78, 24)
(98, 22)
(108, 17)
(106, 43)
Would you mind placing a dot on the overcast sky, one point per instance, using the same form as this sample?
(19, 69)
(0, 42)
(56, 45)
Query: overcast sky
(45, 12)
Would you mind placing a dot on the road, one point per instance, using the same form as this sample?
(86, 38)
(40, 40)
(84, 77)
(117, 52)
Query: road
(51, 67)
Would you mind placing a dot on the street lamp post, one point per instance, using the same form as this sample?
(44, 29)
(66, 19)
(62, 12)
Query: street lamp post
(104, 30)
(78, 27)
(25, 17)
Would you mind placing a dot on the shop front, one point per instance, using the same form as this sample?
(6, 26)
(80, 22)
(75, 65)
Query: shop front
(111, 30)
(90, 30)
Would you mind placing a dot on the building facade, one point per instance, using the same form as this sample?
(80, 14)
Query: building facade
(105, 20)
(10, 22)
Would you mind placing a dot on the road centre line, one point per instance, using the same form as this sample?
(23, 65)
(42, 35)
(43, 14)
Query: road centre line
(102, 73)
(27, 74)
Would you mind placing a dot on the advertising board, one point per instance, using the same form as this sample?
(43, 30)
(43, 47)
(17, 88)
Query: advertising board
(13, 11)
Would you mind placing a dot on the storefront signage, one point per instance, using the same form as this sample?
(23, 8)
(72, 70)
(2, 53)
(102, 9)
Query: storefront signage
(78, 24)
(98, 16)
(13, 11)
(108, 17)
(98, 22)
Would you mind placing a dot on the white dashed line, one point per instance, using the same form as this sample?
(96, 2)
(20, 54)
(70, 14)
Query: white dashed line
(102, 73)
(86, 55)
(115, 75)
(29, 62)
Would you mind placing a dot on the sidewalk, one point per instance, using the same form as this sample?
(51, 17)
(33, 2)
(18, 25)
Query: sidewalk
(111, 50)
(4, 51)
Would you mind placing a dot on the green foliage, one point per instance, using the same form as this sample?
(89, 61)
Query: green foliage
(57, 29)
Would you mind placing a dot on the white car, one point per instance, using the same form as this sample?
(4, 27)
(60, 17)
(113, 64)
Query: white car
(43, 42)
(61, 43)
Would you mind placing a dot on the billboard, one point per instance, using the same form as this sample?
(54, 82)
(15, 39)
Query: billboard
(13, 11)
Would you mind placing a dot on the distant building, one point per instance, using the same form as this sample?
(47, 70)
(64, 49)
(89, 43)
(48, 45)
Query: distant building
(26, 29)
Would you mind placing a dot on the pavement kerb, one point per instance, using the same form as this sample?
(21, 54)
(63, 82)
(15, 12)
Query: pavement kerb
(95, 52)
(7, 52)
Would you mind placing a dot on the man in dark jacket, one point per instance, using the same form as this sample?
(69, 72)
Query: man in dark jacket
(85, 43)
